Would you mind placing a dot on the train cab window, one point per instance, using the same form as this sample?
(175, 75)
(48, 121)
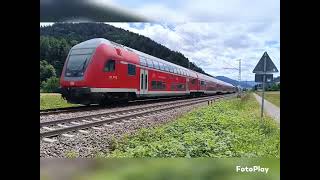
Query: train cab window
(131, 69)
(156, 64)
(202, 83)
(193, 81)
(110, 66)
(149, 63)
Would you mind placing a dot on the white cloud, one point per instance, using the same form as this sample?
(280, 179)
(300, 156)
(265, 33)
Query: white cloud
(215, 46)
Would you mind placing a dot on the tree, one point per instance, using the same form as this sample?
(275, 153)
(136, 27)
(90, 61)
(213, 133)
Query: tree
(50, 85)
(46, 71)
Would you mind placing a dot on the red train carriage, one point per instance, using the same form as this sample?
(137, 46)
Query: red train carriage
(101, 71)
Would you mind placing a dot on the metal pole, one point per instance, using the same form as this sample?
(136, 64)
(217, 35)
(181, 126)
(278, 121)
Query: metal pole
(264, 78)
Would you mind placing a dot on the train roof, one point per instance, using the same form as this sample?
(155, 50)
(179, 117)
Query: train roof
(93, 43)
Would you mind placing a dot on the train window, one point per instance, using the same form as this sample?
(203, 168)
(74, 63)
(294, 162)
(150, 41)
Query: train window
(153, 84)
(156, 64)
(161, 66)
(175, 70)
(166, 67)
(180, 86)
(131, 69)
(171, 69)
(149, 63)
(110, 66)
(202, 83)
(143, 61)
(193, 81)
(159, 85)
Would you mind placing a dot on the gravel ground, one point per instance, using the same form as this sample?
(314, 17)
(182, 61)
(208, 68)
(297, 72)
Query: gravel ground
(88, 145)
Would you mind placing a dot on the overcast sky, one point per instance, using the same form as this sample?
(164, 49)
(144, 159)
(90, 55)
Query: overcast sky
(213, 34)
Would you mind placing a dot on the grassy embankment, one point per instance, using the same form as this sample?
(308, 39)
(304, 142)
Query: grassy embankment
(272, 96)
(229, 128)
(53, 100)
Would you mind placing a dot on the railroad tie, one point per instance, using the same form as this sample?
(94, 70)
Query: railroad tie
(83, 131)
(75, 123)
(49, 140)
(68, 135)
(61, 125)
(95, 119)
(108, 125)
(119, 123)
(96, 128)
(48, 128)
(86, 121)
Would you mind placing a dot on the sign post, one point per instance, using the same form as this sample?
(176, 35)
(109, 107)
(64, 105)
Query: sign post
(264, 68)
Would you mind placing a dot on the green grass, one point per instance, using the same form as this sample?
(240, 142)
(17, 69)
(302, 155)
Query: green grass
(53, 100)
(272, 96)
(229, 128)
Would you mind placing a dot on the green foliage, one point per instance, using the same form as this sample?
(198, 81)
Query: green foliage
(230, 128)
(53, 100)
(50, 85)
(46, 71)
(274, 87)
(272, 96)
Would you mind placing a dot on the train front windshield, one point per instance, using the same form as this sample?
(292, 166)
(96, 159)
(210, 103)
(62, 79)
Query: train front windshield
(77, 62)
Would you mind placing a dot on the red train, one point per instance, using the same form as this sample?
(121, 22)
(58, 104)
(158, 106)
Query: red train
(99, 71)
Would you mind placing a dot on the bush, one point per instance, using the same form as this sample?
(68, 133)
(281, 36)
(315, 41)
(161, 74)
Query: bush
(50, 85)
(46, 71)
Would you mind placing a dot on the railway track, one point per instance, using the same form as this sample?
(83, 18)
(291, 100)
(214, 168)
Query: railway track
(81, 124)
(97, 107)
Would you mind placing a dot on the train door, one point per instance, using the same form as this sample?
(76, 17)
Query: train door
(143, 81)
(187, 85)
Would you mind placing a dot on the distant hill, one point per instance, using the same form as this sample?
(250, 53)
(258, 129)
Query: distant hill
(244, 84)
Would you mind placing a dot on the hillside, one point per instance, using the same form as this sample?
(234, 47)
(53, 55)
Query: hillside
(56, 41)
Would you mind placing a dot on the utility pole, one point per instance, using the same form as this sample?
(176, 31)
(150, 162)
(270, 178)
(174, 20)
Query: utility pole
(239, 77)
(264, 79)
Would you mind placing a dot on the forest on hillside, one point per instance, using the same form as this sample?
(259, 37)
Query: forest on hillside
(56, 41)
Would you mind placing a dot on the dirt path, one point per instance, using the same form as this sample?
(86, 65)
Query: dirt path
(269, 108)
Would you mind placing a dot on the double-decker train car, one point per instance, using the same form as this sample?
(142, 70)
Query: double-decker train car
(99, 71)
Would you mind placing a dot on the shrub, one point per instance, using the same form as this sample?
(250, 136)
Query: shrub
(50, 85)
